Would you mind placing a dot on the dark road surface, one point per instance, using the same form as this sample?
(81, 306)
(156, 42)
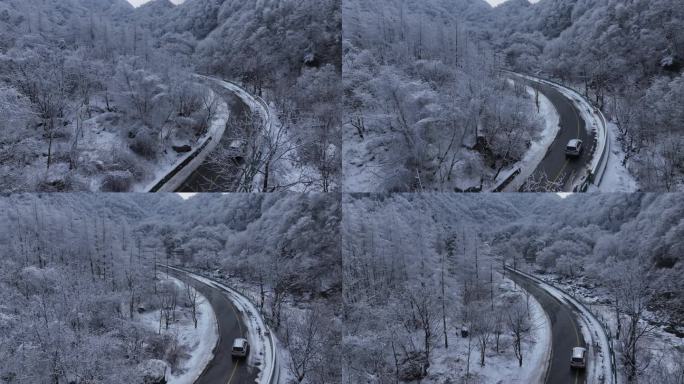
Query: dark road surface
(222, 369)
(565, 333)
(556, 167)
(205, 178)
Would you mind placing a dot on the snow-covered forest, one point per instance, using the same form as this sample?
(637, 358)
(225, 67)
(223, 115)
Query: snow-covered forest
(425, 105)
(317, 151)
(420, 269)
(85, 298)
(96, 95)
(627, 56)
(426, 108)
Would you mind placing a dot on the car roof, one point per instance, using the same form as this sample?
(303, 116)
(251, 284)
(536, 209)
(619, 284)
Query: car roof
(574, 142)
(578, 352)
(239, 342)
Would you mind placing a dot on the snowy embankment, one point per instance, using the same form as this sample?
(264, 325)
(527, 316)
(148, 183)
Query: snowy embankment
(601, 365)
(538, 148)
(616, 178)
(170, 178)
(198, 342)
(538, 352)
(283, 170)
(262, 342)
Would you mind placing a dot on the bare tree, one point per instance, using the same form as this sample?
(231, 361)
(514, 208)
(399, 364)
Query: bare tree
(518, 323)
(193, 296)
(168, 300)
(470, 350)
(304, 340)
(281, 282)
(443, 299)
(629, 281)
(426, 319)
(483, 327)
(541, 182)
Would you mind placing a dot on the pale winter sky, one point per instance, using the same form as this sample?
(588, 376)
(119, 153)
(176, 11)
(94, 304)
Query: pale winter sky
(497, 2)
(137, 3)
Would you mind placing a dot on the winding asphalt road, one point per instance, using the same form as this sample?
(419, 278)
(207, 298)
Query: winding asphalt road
(205, 178)
(565, 333)
(556, 167)
(222, 369)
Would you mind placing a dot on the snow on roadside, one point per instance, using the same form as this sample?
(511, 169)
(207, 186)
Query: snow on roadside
(199, 342)
(538, 148)
(666, 349)
(284, 170)
(261, 340)
(215, 132)
(617, 178)
(538, 353)
(593, 122)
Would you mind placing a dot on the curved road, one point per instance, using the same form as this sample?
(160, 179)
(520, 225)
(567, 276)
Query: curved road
(222, 369)
(555, 166)
(565, 333)
(205, 178)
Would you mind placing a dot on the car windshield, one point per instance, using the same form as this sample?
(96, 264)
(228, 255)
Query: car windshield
(237, 348)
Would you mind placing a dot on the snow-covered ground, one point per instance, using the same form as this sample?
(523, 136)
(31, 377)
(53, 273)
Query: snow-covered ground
(538, 148)
(617, 178)
(536, 351)
(362, 170)
(198, 342)
(215, 133)
(262, 342)
(449, 365)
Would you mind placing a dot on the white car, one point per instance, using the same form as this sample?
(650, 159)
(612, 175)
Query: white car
(579, 358)
(574, 148)
(240, 348)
